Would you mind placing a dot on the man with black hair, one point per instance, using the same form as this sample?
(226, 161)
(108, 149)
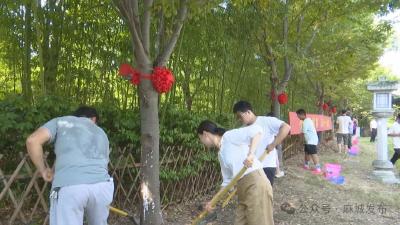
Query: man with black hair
(274, 132)
(350, 135)
(343, 121)
(394, 132)
(373, 126)
(311, 141)
(80, 180)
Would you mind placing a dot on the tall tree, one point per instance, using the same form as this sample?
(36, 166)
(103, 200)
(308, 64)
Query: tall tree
(26, 81)
(138, 16)
(49, 28)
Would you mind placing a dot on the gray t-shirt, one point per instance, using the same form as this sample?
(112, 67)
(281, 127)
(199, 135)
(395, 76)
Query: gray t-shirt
(82, 151)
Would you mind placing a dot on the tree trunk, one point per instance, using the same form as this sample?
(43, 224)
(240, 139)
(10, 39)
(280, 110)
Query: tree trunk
(150, 135)
(52, 44)
(276, 108)
(320, 94)
(26, 81)
(139, 27)
(222, 90)
(37, 12)
(186, 89)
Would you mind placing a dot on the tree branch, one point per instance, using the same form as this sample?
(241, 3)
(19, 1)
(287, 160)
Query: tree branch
(135, 13)
(146, 25)
(159, 43)
(287, 64)
(126, 9)
(269, 57)
(298, 31)
(308, 46)
(166, 53)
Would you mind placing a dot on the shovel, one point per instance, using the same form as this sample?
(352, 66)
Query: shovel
(124, 214)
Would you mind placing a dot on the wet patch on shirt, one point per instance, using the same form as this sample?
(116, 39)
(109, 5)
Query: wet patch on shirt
(63, 123)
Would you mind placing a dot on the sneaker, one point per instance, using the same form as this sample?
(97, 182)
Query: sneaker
(280, 174)
(317, 171)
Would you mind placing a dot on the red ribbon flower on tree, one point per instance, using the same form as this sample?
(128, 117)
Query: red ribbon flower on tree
(333, 109)
(127, 72)
(325, 107)
(162, 79)
(282, 98)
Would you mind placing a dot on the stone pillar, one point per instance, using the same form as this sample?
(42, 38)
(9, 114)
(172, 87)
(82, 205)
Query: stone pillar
(382, 163)
(382, 110)
(383, 168)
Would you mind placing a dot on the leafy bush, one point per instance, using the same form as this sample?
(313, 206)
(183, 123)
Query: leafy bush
(19, 118)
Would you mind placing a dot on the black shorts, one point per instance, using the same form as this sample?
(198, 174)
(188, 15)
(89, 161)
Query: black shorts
(310, 149)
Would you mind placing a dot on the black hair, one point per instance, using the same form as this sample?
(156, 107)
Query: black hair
(271, 114)
(88, 112)
(242, 106)
(301, 112)
(344, 111)
(207, 125)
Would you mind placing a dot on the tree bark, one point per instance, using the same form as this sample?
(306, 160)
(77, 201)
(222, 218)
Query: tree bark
(150, 135)
(52, 44)
(26, 81)
(139, 27)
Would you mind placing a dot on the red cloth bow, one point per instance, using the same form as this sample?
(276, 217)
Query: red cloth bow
(162, 78)
(282, 98)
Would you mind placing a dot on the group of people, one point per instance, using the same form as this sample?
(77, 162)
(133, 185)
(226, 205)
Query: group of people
(81, 182)
(243, 146)
(82, 185)
(346, 129)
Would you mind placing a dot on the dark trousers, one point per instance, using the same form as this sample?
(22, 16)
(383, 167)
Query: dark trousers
(270, 172)
(395, 156)
(373, 135)
(349, 142)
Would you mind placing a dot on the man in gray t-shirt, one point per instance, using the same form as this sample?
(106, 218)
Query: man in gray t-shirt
(80, 181)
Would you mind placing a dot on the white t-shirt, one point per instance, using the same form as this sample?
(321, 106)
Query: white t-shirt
(234, 150)
(373, 124)
(270, 127)
(395, 129)
(309, 131)
(344, 123)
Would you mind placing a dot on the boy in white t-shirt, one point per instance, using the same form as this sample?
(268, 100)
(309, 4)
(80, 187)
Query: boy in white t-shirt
(311, 141)
(342, 133)
(274, 132)
(394, 132)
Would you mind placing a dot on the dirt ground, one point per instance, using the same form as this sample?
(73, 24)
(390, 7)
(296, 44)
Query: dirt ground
(360, 200)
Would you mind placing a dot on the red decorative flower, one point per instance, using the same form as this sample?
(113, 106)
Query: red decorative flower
(129, 73)
(325, 106)
(162, 79)
(125, 70)
(135, 79)
(333, 109)
(282, 98)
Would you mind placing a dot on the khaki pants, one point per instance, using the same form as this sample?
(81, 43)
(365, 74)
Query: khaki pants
(255, 200)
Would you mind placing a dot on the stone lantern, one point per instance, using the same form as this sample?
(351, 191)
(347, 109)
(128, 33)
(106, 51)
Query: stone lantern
(382, 110)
